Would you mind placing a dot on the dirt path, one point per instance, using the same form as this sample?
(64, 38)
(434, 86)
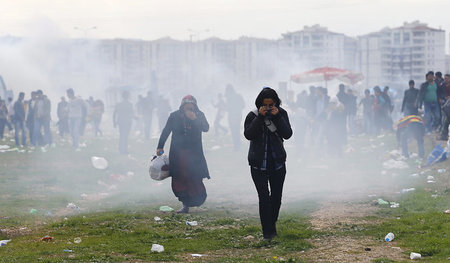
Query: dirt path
(333, 218)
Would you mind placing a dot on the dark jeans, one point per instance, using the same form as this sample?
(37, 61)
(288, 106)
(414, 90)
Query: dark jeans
(432, 115)
(445, 123)
(63, 126)
(414, 131)
(269, 200)
(19, 126)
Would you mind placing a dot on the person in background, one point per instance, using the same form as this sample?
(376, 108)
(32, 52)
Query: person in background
(367, 103)
(409, 106)
(413, 127)
(97, 110)
(266, 128)
(30, 116)
(335, 128)
(221, 108)
(379, 110)
(63, 117)
(351, 112)
(9, 121)
(147, 113)
(123, 117)
(39, 115)
(429, 97)
(75, 106)
(3, 117)
(388, 125)
(445, 107)
(235, 105)
(188, 165)
(19, 120)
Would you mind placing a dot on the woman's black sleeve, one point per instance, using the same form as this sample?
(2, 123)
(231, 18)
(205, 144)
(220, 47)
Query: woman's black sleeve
(165, 132)
(283, 126)
(253, 126)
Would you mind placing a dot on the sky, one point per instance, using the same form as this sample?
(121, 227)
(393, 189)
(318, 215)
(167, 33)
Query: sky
(200, 19)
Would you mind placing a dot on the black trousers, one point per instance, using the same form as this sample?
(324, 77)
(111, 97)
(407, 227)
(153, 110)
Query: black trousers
(269, 199)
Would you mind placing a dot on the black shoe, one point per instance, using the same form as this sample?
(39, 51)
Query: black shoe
(184, 210)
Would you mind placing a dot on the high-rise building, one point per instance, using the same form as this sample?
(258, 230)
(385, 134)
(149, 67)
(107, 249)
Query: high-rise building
(316, 46)
(393, 56)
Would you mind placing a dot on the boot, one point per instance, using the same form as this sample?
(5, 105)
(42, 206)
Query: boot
(184, 210)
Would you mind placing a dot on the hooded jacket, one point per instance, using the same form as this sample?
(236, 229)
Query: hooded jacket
(256, 130)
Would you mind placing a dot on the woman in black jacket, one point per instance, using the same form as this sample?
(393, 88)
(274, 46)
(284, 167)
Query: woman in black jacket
(187, 163)
(266, 127)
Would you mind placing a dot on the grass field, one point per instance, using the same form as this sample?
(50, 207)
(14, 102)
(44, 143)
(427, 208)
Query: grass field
(117, 206)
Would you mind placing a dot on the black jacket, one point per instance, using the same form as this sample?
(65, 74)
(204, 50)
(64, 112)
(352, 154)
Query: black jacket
(255, 130)
(410, 99)
(186, 139)
(423, 90)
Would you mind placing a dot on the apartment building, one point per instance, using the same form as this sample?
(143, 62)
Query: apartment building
(315, 46)
(393, 56)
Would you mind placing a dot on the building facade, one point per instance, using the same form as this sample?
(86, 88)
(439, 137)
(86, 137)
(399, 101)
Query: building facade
(393, 56)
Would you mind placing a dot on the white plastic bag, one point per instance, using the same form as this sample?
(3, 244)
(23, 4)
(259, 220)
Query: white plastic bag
(159, 167)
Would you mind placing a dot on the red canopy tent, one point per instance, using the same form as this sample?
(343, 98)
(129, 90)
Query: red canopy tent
(326, 74)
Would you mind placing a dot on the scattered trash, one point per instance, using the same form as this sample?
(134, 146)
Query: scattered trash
(157, 218)
(442, 170)
(395, 205)
(431, 181)
(33, 211)
(192, 223)
(72, 206)
(434, 196)
(408, 190)
(4, 147)
(249, 237)
(215, 147)
(393, 164)
(414, 175)
(197, 255)
(165, 208)
(430, 177)
(47, 238)
(68, 250)
(414, 255)
(382, 202)
(4, 242)
(99, 162)
(367, 249)
(389, 237)
(77, 240)
(447, 211)
(157, 248)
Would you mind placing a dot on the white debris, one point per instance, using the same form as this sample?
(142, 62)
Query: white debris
(72, 206)
(393, 164)
(192, 223)
(430, 178)
(408, 190)
(4, 242)
(415, 255)
(4, 147)
(157, 248)
(215, 147)
(156, 218)
(99, 162)
(197, 255)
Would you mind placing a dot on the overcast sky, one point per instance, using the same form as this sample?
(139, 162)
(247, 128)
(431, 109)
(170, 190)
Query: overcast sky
(227, 19)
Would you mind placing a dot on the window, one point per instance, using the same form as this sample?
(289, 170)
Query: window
(406, 38)
(306, 41)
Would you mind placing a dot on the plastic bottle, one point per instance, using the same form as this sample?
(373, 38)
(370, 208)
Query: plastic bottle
(389, 237)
